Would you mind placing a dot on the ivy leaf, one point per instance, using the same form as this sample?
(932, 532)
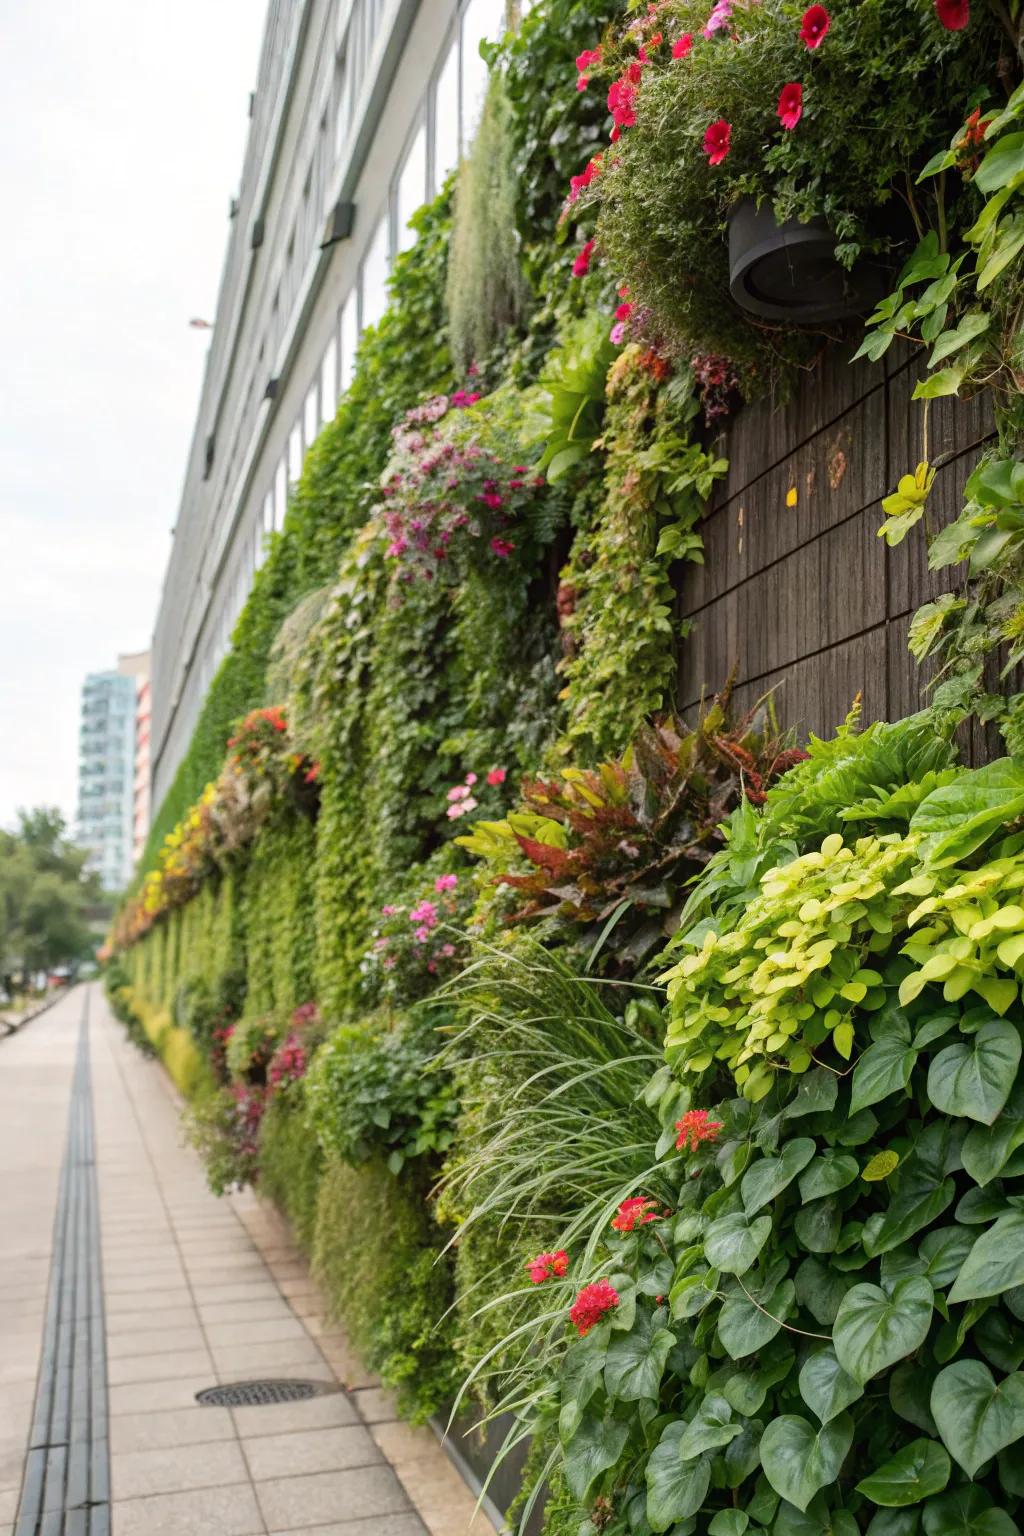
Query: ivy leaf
(894, 1522)
(914, 1473)
(910, 1391)
(946, 382)
(884, 1068)
(995, 1263)
(636, 1360)
(798, 1460)
(825, 1387)
(944, 1250)
(733, 1242)
(827, 1174)
(957, 818)
(816, 1094)
(913, 1209)
(1004, 161)
(729, 1522)
(817, 1225)
(966, 1512)
(976, 1416)
(998, 1342)
(988, 1148)
(581, 1374)
(817, 1520)
(744, 1328)
(768, 1177)
(872, 1330)
(597, 1445)
(711, 1427)
(676, 1489)
(974, 324)
(974, 1077)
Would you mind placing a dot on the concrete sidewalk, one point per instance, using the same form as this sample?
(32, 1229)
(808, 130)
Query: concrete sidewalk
(196, 1292)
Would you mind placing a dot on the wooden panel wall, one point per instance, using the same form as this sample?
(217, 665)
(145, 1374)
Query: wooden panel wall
(806, 599)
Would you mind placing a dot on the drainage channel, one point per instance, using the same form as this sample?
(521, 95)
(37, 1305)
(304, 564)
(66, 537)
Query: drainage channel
(66, 1488)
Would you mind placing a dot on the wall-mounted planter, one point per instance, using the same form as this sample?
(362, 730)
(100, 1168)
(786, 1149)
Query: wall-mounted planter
(789, 272)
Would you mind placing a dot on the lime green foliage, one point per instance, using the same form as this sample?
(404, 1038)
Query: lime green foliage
(486, 290)
(222, 1126)
(291, 1163)
(663, 208)
(622, 634)
(376, 1255)
(278, 916)
(377, 1090)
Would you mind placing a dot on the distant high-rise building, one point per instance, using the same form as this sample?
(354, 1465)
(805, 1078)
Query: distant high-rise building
(136, 664)
(107, 769)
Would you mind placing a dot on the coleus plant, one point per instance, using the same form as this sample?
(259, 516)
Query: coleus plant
(813, 1329)
(609, 850)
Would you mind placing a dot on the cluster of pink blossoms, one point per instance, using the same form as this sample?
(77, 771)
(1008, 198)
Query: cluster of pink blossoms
(443, 490)
(289, 1062)
(591, 1305)
(547, 1266)
(462, 800)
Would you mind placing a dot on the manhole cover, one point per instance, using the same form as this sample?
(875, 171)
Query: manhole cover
(249, 1394)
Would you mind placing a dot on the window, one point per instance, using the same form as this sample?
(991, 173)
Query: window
(343, 105)
(375, 275)
(258, 550)
(268, 511)
(411, 190)
(349, 340)
(446, 116)
(329, 381)
(295, 454)
(280, 494)
(310, 419)
(482, 21)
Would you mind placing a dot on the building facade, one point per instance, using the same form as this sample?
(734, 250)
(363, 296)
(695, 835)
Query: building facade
(106, 773)
(360, 110)
(141, 798)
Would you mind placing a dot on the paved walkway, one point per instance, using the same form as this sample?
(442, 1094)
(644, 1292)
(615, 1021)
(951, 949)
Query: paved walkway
(195, 1292)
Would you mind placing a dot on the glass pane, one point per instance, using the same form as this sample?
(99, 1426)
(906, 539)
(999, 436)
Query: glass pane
(483, 21)
(375, 276)
(412, 188)
(343, 108)
(280, 494)
(309, 418)
(446, 116)
(349, 340)
(329, 381)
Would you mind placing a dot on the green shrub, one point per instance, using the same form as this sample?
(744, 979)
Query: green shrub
(291, 1162)
(377, 1256)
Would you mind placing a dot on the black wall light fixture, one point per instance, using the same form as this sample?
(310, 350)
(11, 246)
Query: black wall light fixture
(340, 222)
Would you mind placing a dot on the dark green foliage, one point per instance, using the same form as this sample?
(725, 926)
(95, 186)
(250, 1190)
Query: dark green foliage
(376, 1255)
(291, 1162)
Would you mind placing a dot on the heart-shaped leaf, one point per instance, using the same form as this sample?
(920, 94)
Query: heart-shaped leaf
(872, 1330)
(825, 1387)
(914, 1473)
(884, 1068)
(744, 1328)
(974, 1077)
(770, 1175)
(675, 1488)
(711, 1427)
(596, 1446)
(733, 1242)
(977, 1416)
(636, 1360)
(827, 1174)
(995, 1263)
(798, 1460)
(966, 1512)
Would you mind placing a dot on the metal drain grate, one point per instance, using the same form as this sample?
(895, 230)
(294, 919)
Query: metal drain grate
(254, 1394)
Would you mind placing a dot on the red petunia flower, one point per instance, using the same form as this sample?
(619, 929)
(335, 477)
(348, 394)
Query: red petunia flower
(716, 141)
(815, 25)
(634, 1213)
(682, 45)
(591, 1304)
(502, 548)
(954, 14)
(791, 104)
(624, 311)
(547, 1266)
(581, 266)
(496, 776)
(695, 1127)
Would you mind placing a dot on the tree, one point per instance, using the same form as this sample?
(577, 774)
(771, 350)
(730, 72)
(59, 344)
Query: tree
(46, 895)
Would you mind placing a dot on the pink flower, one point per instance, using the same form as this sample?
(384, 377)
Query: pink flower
(461, 808)
(496, 776)
(624, 311)
(458, 792)
(447, 950)
(682, 45)
(580, 268)
(502, 548)
(584, 61)
(719, 17)
(546, 1266)
(617, 333)
(446, 882)
(716, 141)
(388, 911)
(425, 913)
(470, 778)
(461, 399)
(791, 104)
(814, 26)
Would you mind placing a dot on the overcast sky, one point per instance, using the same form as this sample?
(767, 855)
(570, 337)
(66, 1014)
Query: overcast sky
(122, 130)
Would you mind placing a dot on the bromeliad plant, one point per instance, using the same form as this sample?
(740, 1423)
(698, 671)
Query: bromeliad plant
(612, 849)
(822, 1336)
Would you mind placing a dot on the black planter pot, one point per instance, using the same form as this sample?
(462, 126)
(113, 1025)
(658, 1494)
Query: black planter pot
(789, 272)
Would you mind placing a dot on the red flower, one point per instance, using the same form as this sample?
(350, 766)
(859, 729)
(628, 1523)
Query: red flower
(591, 1304)
(581, 266)
(502, 547)
(655, 41)
(815, 25)
(496, 776)
(716, 141)
(791, 104)
(974, 129)
(546, 1266)
(584, 61)
(695, 1127)
(635, 1213)
(624, 311)
(682, 45)
(954, 14)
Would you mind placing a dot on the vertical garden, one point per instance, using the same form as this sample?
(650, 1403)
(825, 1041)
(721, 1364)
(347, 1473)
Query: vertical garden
(649, 1087)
